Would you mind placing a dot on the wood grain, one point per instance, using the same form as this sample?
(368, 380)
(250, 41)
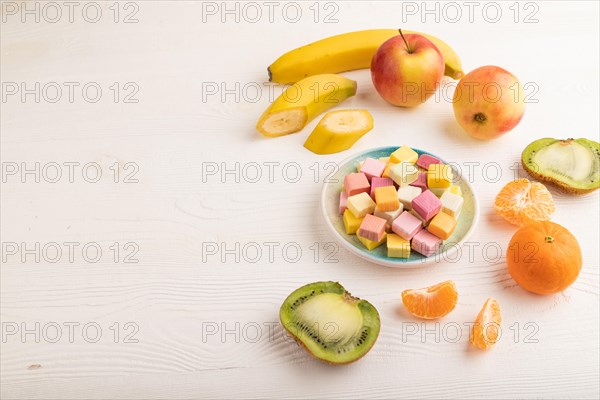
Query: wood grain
(205, 325)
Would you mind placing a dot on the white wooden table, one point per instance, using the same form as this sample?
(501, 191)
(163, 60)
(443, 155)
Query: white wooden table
(182, 301)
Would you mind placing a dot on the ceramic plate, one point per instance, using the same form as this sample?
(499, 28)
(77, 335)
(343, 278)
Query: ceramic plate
(448, 252)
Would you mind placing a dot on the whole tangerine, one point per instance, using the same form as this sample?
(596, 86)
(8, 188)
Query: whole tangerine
(544, 257)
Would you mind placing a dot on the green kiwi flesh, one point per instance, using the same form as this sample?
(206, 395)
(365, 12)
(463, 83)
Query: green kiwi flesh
(571, 164)
(330, 323)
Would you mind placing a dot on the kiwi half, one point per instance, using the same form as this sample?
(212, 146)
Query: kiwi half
(330, 323)
(571, 164)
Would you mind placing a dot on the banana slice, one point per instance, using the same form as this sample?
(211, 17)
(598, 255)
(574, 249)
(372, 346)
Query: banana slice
(283, 122)
(338, 131)
(303, 101)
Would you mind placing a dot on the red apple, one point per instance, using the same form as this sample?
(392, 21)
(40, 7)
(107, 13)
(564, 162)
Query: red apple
(488, 102)
(406, 70)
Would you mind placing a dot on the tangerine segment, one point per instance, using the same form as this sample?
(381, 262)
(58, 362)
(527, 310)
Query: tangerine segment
(431, 302)
(521, 202)
(486, 328)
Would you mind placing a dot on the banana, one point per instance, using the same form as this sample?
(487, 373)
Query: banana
(346, 52)
(303, 101)
(338, 131)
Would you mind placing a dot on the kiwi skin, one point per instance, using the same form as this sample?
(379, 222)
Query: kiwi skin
(332, 287)
(561, 185)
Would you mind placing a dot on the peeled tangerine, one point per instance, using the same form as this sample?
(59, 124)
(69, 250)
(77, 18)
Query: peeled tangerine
(338, 131)
(522, 202)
